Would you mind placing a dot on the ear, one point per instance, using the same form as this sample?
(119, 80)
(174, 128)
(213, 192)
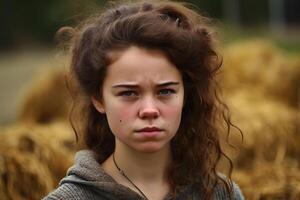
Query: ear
(98, 105)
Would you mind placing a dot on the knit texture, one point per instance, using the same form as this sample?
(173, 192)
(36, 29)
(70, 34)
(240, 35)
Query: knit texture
(86, 180)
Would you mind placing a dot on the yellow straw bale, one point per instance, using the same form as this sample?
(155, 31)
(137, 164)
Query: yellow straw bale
(46, 99)
(269, 180)
(270, 128)
(34, 158)
(246, 62)
(260, 67)
(283, 82)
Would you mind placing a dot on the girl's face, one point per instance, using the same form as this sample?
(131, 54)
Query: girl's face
(142, 99)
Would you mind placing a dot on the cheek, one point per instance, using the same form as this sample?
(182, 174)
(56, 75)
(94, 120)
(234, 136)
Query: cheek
(174, 110)
(120, 116)
(173, 115)
(125, 113)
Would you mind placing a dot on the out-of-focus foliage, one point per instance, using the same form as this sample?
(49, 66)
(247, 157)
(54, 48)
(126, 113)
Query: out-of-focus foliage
(254, 12)
(37, 21)
(33, 21)
(210, 8)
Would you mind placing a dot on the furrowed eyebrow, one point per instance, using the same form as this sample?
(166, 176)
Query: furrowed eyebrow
(168, 84)
(125, 86)
(136, 86)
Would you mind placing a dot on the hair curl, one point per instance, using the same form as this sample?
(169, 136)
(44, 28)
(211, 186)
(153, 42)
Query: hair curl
(185, 38)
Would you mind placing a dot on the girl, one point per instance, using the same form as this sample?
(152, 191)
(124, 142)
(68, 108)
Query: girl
(152, 112)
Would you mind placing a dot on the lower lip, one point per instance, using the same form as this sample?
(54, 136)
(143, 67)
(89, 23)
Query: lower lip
(150, 133)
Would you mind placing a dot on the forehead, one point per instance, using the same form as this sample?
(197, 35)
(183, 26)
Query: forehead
(141, 65)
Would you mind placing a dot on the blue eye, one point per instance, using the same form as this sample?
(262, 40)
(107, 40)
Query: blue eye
(128, 93)
(166, 92)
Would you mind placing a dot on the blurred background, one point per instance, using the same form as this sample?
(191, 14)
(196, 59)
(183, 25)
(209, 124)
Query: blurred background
(260, 44)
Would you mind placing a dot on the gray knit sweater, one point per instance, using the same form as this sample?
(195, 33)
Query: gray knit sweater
(86, 180)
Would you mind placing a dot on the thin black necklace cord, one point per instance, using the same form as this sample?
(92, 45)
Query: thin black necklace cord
(127, 178)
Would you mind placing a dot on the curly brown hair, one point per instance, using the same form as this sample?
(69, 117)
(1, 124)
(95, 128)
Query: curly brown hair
(186, 39)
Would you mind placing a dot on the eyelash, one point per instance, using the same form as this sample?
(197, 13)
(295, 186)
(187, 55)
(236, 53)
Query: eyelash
(127, 93)
(170, 91)
(132, 93)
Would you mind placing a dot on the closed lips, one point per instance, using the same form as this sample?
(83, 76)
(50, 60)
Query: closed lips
(150, 129)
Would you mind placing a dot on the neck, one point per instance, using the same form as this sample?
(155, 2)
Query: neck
(146, 171)
(144, 167)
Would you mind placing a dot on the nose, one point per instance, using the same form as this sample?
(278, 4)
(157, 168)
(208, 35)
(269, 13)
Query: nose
(148, 109)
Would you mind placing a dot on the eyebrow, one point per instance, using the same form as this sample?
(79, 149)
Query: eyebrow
(170, 83)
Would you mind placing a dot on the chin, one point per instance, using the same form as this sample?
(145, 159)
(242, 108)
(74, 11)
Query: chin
(152, 147)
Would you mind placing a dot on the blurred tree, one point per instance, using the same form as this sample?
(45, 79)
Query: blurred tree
(292, 12)
(6, 27)
(232, 11)
(276, 9)
(254, 12)
(25, 22)
(211, 8)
